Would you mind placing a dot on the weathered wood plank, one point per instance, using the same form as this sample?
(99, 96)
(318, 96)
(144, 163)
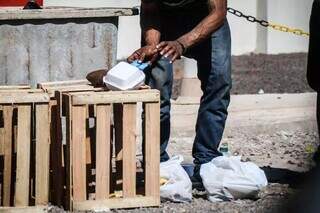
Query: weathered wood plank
(56, 152)
(23, 156)
(103, 156)
(118, 123)
(63, 13)
(129, 150)
(115, 97)
(1, 131)
(79, 152)
(26, 209)
(67, 102)
(19, 91)
(6, 98)
(152, 150)
(42, 153)
(135, 202)
(14, 87)
(53, 84)
(7, 139)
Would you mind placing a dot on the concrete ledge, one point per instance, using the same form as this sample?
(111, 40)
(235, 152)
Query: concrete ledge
(64, 13)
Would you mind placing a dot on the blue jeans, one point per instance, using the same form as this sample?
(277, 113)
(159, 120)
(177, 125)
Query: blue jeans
(214, 71)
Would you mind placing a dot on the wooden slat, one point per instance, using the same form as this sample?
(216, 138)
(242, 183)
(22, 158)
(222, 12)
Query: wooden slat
(118, 123)
(115, 97)
(23, 156)
(7, 139)
(79, 152)
(9, 98)
(129, 150)
(1, 133)
(13, 87)
(42, 153)
(88, 139)
(152, 150)
(67, 103)
(135, 202)
(26, 209)
(46, 85)
(103, 154)
(19, 91)
(56, 155)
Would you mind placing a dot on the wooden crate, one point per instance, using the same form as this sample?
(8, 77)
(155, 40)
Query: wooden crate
(59, 188)
(25, 144)
(123, 105)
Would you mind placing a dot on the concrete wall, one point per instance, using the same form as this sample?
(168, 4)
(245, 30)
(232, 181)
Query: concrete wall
(247, 37)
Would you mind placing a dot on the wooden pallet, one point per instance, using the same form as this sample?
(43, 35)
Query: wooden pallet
(25, 145)
(58, 191)
(123, 105)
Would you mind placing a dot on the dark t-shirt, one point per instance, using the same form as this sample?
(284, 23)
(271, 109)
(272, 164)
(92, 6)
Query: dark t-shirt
(180, 4)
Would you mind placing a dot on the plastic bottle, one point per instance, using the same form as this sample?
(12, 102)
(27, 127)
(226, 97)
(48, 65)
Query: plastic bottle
(224, 149)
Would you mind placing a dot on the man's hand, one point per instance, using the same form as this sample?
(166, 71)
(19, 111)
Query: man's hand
(171, 49)
(146, 53)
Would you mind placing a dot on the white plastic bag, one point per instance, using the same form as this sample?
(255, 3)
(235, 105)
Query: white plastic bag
(178, 187)
(227, 178)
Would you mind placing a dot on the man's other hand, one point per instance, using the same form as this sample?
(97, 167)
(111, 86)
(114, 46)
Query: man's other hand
(171, 49)
(147, 53)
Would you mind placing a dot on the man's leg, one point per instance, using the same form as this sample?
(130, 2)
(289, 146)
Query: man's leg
(214, 71)
(161, 78)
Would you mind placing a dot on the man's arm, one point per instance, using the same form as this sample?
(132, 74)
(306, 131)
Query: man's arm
(150, 22)
(201, 32)
(150, 27)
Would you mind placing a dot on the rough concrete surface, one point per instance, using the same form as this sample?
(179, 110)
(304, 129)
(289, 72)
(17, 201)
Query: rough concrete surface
(53, 52)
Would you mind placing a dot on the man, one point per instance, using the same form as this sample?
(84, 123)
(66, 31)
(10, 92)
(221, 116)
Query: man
(313, 73)
(196, 29)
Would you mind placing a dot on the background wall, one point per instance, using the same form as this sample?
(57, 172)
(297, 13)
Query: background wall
(247, 37)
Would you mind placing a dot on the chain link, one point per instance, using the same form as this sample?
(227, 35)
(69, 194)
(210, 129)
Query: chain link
(265, 23)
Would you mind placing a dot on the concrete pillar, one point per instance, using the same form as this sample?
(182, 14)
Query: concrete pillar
(262, 32)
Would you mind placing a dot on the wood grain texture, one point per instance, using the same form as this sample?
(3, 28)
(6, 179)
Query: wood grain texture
(7, 141)
(103, 154)
(107, 204)
(79, 114)
(9, 98)
(23, 156)
(152, 150)
(118, 124)
(42, 154)
(129, 150)
(133, 96)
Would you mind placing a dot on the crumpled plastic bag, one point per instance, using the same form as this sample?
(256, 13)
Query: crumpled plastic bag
(178, 186)
(227, 178)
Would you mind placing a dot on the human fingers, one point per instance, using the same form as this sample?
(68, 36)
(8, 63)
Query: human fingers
(161, 45)
(175, 57)
(171, 52)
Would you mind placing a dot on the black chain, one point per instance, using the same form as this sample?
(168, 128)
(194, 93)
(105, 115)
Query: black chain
(268, 24)
(248, 17)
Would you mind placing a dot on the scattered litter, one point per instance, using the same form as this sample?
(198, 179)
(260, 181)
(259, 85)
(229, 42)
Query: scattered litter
(227, 178)
(178, 186)
(261, 91)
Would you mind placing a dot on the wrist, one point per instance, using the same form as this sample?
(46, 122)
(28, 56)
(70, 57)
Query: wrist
(184, 49)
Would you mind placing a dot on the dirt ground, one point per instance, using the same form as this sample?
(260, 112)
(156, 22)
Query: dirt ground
(283, 73)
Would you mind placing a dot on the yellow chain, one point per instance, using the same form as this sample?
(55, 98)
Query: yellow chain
(287, 29)
(265, 23)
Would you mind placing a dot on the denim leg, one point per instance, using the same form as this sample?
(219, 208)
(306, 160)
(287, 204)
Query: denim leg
(161, 78)
(214, 72)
